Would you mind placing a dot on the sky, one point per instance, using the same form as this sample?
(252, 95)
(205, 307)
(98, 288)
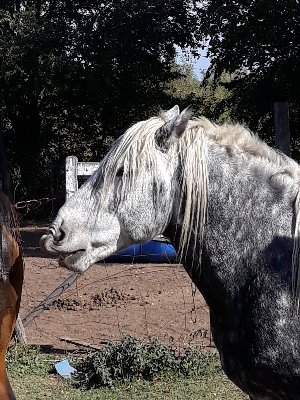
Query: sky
(199, 64)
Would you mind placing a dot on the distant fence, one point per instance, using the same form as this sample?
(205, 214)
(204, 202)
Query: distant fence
(74, 169)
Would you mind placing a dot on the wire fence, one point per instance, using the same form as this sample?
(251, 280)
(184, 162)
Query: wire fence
(111, 300)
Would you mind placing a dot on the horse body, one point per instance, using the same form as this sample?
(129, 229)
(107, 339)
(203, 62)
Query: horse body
(246, 276)
(229, 203)
(11, 280)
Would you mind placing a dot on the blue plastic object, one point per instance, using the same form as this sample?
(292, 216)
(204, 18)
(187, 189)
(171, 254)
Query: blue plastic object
(64, 369)
(150, 252)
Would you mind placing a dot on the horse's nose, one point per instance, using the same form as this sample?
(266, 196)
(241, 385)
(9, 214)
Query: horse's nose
(53, 239)
(57, 230)
(58, 233)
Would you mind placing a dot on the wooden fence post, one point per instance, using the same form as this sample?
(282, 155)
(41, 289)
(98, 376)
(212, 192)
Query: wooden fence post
(282, 129)
(75, 169)
(71, 176)
(20, 331)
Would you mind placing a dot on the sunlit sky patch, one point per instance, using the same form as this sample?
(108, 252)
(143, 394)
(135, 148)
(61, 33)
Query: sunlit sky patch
(200, 64)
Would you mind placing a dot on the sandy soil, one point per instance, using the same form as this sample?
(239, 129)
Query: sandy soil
(110, 300)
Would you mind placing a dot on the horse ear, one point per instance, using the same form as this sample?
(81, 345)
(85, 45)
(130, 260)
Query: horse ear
(172, 130)
(173, 112)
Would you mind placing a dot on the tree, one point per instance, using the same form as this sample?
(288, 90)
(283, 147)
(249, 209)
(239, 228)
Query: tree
(75, 73)
(5, 184)
(257, 43)
(259, 38)
(208, 97)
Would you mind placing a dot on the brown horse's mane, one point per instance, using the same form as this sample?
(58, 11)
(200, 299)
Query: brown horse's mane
(7, 213)
(8, 218)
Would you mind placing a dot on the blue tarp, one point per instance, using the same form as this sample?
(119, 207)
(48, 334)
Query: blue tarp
(64, 369)
(151, 252)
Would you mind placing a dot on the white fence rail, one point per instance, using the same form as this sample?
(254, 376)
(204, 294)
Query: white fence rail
(74, 169)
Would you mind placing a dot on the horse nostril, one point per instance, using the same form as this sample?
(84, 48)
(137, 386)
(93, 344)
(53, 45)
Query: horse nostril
(62, 235)
(58, 234)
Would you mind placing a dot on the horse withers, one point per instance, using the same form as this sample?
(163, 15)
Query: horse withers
(230, 204)
(11, 280)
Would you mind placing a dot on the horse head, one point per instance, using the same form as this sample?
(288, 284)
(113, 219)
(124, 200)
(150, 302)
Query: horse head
(128, 200)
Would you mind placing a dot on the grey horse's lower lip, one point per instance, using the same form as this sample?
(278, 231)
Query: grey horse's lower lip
(62, 259)
(57, 244)
(65, 254)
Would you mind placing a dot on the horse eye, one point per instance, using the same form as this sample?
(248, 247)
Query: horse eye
(120, 172)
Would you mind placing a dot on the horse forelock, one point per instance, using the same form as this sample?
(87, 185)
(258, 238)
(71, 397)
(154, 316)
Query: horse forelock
(134, 152)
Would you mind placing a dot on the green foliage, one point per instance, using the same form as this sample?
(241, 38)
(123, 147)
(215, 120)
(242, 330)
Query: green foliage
(30, 374)
(75, 74)
(23, 359)
(34, 386)
(131, 359)
(256, 42)
(195, 363)
(158, 358)
(185, 88)
(125, 360)
(208, 97)
(260, 38)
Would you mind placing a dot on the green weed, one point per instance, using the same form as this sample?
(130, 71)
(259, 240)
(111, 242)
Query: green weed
(130, 359)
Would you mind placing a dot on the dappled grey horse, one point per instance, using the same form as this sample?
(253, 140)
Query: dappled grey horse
(230, 205)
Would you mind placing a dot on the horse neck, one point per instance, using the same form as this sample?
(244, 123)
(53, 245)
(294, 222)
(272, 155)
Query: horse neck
(247, 221)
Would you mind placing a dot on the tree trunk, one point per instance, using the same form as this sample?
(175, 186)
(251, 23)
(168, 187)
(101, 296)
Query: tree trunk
(20, 331)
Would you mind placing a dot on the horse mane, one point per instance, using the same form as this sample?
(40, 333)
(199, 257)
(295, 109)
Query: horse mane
(8, 219)
(135, 151)
(240, 141)
(237, 139)
(7, 214)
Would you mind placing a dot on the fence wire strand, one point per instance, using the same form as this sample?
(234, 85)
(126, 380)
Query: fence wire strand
(110, 300)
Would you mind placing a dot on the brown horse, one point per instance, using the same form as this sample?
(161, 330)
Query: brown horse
(11, 280)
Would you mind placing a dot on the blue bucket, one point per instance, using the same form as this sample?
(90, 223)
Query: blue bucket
(151, 252)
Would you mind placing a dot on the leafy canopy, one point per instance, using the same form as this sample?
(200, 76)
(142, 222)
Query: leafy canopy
(75, 73)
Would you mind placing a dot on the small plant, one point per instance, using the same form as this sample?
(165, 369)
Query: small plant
(195, 363)
(23, 359)
(131, 358)
(125, 360)
(158, 358)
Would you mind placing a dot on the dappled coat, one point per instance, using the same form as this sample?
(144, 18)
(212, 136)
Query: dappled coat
(230, 204)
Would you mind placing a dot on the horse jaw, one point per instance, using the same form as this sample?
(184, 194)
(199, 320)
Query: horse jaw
(80, 260)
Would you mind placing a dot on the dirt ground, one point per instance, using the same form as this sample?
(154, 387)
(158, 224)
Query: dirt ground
(110, 300)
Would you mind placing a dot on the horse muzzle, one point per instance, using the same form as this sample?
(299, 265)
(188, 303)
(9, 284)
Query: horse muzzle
(48, 244)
